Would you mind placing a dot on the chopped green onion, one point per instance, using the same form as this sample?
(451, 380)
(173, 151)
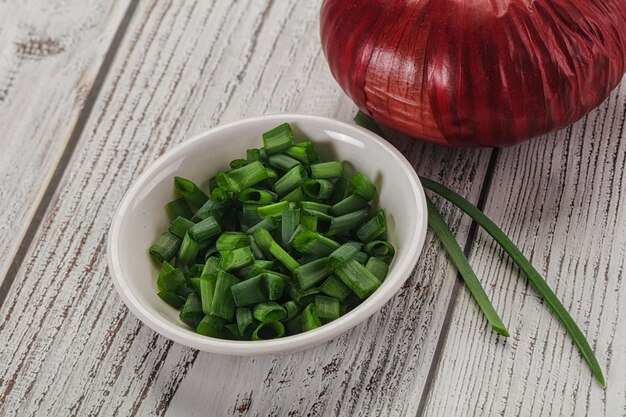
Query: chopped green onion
(251, 213)
(223, 304)
(232, 241)
(294, 325)
(268, 223)
(283, 257)
(309, 222)
(341, 191)
(253, 155)
(302, 297)
(238, 163)
(256, 196)
(290, 181)
(179, 226)
(192, 314)
(282, 162)
(292, 308)
(256, 251)
(310, 319)
(312, 273)
(373, 228)
(235, 259)
(314, 243)
(250, 291)
(269, 311)
(170, 278)
(362, 186)
(295, 196)
(263, 239)
(244, 319)
(212, 208)
(212, 326)
(205, 229)
(343, 253)
(378, 268)
(164, 247)
(274, 285)
(327, 170)
(379, 249)
(303, 152)
(347, 222)
(361, 281)
(312, 206)
(266, 331)
(189, 250)
(166, 268)
(290, 220)
(318, 189)
(171, 298)
(241, 178)
(271, 173)
(207, 290)
(178, 208)
(190, 192)
(273, 210)
(335, 287)
(328, 308)
(278, 139)
(349, 204)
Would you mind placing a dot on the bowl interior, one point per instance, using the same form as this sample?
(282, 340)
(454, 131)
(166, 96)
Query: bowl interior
(141, 217)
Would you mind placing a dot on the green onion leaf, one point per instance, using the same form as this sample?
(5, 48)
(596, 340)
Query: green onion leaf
(314, 243)
(205, 229)
(349, 204)
(343, 253)
(269, 311)
(179, 226)
(192, 314)
(267, 331)
(328, 308)
(318, 189)
(232, 241)
(295, 195)
(278, 139)
(335, 288)
(250, 291)
(164, 247)
(223, 304)
(273, 210)
(347, 222)
(282, 162)
(190, 192)
(312, 273)
(212, 326)
(362, 186)
(327, 170)
(171, 298)
(289, 222)
(373, 228)
(378, 268)
(292, 308)
(290, 181)
(361, 281)
(244, 319)
(178, 208)
(189, 250)
(235, 259)
(256, 196)
(310, 319)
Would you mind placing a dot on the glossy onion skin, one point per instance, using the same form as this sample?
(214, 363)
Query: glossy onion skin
(475, 72)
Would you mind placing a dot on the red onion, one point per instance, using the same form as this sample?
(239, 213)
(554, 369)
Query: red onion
(475, 72)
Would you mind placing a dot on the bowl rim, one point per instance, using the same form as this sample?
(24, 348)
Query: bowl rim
(287, 344)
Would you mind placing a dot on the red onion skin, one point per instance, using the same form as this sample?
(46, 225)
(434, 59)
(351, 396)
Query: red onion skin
(475, 72)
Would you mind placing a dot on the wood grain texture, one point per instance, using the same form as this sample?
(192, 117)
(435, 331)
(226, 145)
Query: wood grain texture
(562, 198)
(68, 346)
(50, 53)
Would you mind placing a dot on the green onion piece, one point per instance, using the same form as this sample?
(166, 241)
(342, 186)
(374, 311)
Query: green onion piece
(379, 249)
(192, 314)
(171, 298)
(349, 204)
(341, 191)
(212, 208)
(524, 264)
(212, 326)
(232, 241)
(263, 239)
(312, 206)
(238, 163)
(362, 186)
(210, 265)
(189, 250)
(241, 178)
(205, 229)
(292, 308)
(282, 162)
(327, 170)
(190, 192)
(273, 210)
(267, 331)
(318, 189)
(347, 222)
(282, 256)
(335, 288)
(250, 291)
(343, 253)
(272, 175)
(253, 155)
(268, 223)
(178, 208)
(310, 274)
(310, 319)
(195, 270)
(361, 281)
(373, 228)
(289, 222)
(309, 222)
(268, 311)
(223, 304)
(164, 247)
(303, 152)
(290, 181)
(278, 139)
(256, 196)
(302, 297)
(295, 196)
(179, 226)
(256, 251)
(170, 279)
(274, 285)
(235, 259)
(436, 222)
(314, 243)
(207, 290)
(294, 325)
(328, 308)
(361, 257)
(244, 319)
(378, 268)
(251, 213)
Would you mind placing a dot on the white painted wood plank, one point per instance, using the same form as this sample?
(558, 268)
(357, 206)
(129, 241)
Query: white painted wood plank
(50, 53)
(69, 346)
(562, 198)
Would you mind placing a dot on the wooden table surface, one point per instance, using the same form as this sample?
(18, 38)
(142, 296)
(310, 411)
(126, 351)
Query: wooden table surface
(92, 91)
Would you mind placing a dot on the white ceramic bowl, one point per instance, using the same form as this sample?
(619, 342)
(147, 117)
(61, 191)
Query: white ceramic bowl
(141, 217)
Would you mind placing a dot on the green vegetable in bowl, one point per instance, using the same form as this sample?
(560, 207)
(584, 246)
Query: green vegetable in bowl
(281, 244)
